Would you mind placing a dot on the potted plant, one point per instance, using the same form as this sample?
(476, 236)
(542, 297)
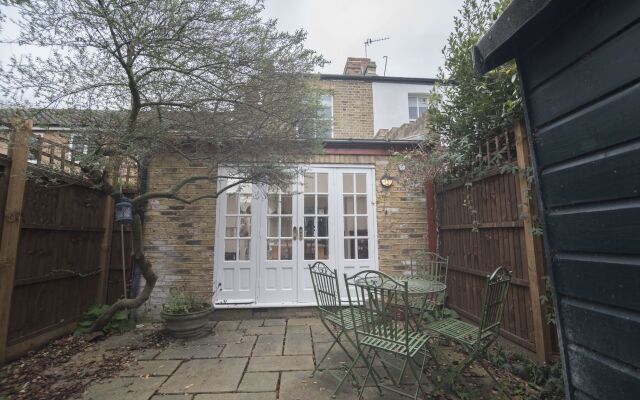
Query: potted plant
(184, 314)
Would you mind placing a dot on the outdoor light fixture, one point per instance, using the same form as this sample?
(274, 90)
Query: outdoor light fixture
(386, 181)
(124, 211)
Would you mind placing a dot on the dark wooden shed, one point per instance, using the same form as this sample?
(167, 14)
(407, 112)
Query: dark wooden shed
(579, 64)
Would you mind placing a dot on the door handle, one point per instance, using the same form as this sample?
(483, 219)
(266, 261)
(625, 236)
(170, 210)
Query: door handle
(300, 232)
(295, 234)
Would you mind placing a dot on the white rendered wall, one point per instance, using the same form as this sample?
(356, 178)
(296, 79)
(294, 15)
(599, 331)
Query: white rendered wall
(390, 106)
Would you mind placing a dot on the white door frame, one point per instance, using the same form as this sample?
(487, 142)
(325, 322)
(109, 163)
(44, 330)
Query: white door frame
(247, 278)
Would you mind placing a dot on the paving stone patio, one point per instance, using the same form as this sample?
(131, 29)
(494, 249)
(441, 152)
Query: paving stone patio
(258, 359)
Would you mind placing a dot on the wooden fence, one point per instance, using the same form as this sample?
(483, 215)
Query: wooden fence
(56, 249)
(485, 223)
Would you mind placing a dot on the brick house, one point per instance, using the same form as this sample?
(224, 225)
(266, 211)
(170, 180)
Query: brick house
(257, 248)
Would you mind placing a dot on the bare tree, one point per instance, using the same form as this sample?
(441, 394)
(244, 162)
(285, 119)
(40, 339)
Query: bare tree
(206, 79)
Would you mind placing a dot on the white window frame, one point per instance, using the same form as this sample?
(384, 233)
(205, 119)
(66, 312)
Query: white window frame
(417, 96)
(327, 102)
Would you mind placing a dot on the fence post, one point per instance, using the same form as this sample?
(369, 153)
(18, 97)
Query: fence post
(432, 233)
(540, 329)
(19, 154)
(105, 247)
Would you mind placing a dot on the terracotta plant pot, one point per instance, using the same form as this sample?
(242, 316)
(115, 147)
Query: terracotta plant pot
(186, 325)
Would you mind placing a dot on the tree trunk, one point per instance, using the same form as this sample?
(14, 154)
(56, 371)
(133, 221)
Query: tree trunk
(148, 274)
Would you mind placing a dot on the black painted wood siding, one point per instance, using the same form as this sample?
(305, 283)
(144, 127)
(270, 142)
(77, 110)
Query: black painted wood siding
(582, 91)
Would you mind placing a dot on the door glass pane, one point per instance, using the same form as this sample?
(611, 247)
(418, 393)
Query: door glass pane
(309, 227)
(286, 204)
(347, 183)
(361, 204)
(309, 249)
(348, 205)
(245, 226)
(285, 229)
(362, 226)
(323, 226)
(243, 249)
(231, 229)
(363, 249)
(230, 250)
(273, 204)
(272, 227)
(309, 182)
(272, 249)
(323, 183)
(323, 249)
(245, 204)
(361, 183)
(349, 249)
(323, 204)
(349, 226)
(232, 204)
(309, 204)
(286, 252)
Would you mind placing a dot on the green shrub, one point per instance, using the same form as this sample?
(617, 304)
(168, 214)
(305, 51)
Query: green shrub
(119, 323)
(183, 302)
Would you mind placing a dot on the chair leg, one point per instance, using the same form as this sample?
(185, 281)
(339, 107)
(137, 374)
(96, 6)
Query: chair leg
(495, 380)
(349, 372)
(417, 375)
(366, 377)
(336, 340)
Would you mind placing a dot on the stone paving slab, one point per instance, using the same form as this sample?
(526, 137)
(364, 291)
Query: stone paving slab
(227, 325)
(304, 321)
(265, 330)
(336, 358)
(242, 348)
(268, 345)
(297, 344)
(280, 363)
(320, 334)
(202, 376)
(152, 368)
(124, 388)
(237, 396)
(216, 337)
(298, 329)
(275, 322)
(172, 397)
(146, 354)
(259, 382)
(249, 323)
(182, 352)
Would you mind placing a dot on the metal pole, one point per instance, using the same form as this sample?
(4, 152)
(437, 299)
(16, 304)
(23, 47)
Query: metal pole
(124, 267)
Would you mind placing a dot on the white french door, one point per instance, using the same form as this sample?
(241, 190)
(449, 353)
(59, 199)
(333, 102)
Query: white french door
(327, 215)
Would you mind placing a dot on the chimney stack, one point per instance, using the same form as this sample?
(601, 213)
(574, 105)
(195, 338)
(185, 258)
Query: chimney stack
(359, 66)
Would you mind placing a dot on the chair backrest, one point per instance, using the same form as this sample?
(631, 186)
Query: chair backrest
(430, 266)
(495, 296)
(382, 304)
(326, 289)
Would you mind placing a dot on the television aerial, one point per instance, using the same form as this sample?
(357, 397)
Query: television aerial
(370, 41)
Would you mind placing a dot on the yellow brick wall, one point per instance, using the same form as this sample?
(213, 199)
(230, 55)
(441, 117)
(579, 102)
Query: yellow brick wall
(179, 239)
(352, 108)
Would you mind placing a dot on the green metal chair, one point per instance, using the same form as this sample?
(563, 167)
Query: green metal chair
(333, 314)
(384, 326)
(477, 339)
(430, 266)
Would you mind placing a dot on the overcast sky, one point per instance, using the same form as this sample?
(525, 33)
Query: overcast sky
(417, 31)
(337, 29)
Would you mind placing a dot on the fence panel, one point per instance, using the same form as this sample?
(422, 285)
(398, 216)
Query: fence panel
(481, 227)
(57, 269)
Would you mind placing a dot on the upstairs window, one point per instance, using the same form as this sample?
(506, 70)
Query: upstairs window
(326, 114)
(417, 105)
